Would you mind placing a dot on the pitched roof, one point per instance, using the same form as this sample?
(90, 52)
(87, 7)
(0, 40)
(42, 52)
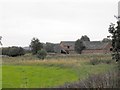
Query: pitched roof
(95, 44)
(90, 45)
(57, 48)
(68, 42)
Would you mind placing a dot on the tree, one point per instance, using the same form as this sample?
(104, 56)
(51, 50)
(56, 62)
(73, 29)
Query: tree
(106, 40)
(41, 54)
(79, 46)
(85, 38)
(49, 47)
(13, 51)
(115, 40)
(115, 31)
(35, 45)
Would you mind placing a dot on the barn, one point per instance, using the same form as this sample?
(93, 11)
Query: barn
(68, 46)
(96, 47)
(90, 47)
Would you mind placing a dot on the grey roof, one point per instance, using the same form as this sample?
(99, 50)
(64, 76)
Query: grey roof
(72, 43)
(57, 48)
(67, 42)
(65, 45)
(90, 45)
(95, 44)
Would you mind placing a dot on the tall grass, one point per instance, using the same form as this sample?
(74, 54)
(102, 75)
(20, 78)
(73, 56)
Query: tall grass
(106, 80)
(80, 64)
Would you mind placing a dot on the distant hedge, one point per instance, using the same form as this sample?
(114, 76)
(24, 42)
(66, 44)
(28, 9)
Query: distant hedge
(13, 51)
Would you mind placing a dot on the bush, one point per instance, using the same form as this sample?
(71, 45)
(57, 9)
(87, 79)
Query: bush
(13, 51)
(106, 80)
(79, 46)
(49, 47)
(35, 46)
(96, 61)
(41, 54)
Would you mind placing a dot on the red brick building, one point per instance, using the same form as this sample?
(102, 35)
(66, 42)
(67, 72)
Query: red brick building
(90, 47)
(96, 47)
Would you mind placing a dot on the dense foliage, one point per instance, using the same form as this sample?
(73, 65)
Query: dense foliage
(49, 47)
(79, 46)
(13, 51)
(85, 38)
(106, 40)
(41, 54)
(115, 31)
(35, 45)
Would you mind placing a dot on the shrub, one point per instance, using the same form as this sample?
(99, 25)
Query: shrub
(106, 80)
(41, 54)
(35, 46)
(79, 46)
(13, 51)
(94, 61)
(49, 47)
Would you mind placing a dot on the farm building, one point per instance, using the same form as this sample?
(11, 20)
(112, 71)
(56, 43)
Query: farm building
(90, 47)
(68, 46)
(57, 48)
(96, 47)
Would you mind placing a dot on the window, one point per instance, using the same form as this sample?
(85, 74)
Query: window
(68, 47)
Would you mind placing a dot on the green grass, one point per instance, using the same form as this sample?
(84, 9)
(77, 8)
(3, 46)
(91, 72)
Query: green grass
(36, 76)
(29, 72)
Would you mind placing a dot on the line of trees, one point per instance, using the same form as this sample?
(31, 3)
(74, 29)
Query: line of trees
(13, 51)
(36, 49)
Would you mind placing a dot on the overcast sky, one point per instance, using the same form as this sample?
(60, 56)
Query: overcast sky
(55, 20)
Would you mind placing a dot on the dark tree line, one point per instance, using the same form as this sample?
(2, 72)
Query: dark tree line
(13, 51)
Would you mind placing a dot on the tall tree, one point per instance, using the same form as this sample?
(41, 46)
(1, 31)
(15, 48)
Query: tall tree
(79, 46)
(35, 45)
(49, 47)
(85, 38)
(106, 40)
(115, 31)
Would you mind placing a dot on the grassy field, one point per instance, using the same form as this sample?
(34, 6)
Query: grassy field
(30, 72)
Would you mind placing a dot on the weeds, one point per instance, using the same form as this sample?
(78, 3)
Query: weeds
(82, 65)
(107, 80)
(96, 61)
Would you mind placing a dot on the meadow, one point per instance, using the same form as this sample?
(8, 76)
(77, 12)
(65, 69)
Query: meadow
(29, 72)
